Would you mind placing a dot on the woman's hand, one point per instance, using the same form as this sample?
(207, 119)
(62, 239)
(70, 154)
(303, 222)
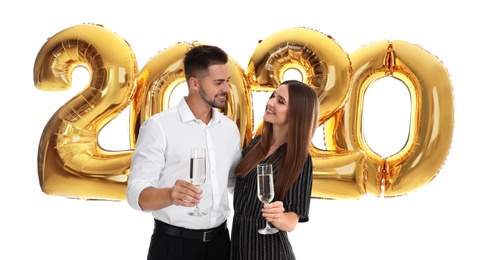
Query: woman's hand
(274, 213)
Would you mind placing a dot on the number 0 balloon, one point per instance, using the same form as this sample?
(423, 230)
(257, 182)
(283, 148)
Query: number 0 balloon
(72, 164)
(432, 116)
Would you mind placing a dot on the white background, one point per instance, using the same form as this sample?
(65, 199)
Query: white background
(442, 219)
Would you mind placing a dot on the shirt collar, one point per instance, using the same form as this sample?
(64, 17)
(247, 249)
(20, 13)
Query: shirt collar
(187, 115)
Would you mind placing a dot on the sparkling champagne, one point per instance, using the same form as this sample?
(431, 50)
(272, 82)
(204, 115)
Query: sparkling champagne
(197, 171)
(266, 189)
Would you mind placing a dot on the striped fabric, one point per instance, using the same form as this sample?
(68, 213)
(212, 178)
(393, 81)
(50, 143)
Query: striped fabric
(247, 243)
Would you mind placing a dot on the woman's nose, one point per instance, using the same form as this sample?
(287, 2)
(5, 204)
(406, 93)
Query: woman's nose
(270, 102)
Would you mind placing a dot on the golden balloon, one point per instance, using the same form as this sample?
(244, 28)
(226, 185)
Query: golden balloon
(432, 116)
(164, 73)
(326, 67)
(70, 161)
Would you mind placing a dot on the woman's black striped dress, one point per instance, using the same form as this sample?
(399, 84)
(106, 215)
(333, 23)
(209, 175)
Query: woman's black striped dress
(247, 243)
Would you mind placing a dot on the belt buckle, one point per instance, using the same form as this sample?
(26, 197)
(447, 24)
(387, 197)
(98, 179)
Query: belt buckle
(205, 239)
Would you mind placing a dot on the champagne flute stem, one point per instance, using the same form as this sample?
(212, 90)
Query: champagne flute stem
(268, 227)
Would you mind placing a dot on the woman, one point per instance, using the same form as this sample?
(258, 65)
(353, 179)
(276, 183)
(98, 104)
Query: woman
(290, 120)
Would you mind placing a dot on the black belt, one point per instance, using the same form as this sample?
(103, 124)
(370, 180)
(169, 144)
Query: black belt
(203, 235)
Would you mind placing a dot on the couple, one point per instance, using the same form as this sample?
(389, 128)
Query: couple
(160, 166)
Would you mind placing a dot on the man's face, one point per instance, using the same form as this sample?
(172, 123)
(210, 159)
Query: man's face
(215, 87)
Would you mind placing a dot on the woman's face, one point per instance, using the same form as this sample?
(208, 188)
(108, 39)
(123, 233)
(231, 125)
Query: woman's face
(278, 106)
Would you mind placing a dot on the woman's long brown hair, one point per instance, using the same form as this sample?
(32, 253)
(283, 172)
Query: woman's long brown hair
(302, 120)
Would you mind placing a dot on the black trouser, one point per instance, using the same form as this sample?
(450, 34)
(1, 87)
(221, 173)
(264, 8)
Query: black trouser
(174, 243)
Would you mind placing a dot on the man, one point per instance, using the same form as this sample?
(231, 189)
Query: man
(160, 169)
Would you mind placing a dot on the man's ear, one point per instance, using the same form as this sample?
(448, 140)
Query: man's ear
(193, 83)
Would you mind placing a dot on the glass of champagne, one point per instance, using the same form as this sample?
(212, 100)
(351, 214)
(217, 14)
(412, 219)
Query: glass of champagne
(197, 174)
(265, 192)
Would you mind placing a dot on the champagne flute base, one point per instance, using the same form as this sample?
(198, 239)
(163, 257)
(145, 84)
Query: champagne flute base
(268, 231)
(197, 213)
